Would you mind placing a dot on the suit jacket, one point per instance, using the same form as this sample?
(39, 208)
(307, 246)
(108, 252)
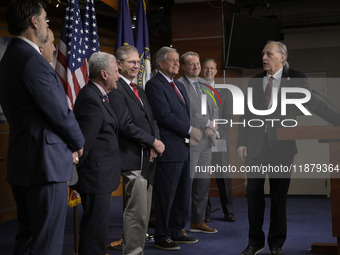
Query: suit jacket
(198, 120)
(254, 137)
(43, 130)
(99, 167)
(138, 128)
(172, 116)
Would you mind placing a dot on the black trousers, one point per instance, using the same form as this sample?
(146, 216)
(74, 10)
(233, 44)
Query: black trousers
(94, 223)
(279, 184)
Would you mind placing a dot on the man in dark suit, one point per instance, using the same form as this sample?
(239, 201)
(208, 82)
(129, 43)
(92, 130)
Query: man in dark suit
(139, 145)
(171, 106)
(200, 154)
(220, 158)
(99, 168)
(43, 132)
(259, 145)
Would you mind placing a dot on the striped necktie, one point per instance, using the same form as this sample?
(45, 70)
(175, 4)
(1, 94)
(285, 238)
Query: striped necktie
(198, 89)
(107, 98)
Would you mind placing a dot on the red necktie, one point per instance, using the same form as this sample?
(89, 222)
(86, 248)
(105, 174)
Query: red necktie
(268, 90)
(177, 92)
(135, 90)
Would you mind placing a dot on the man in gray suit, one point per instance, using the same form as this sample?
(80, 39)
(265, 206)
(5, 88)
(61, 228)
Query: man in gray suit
(200, 153)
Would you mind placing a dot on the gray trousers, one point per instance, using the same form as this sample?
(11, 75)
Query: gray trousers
(200, 157)
(137, 207)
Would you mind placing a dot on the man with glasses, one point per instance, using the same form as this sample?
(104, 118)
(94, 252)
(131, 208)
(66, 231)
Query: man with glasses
(139, 145)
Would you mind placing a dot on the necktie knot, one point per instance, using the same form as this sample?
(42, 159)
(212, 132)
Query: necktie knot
(198, 88)
(133, 85)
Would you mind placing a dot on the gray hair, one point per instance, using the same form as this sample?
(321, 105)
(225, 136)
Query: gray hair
(162, 54)
(99, 61)
(283, 50)
(123, 51)
(209, 59)
(185, 55)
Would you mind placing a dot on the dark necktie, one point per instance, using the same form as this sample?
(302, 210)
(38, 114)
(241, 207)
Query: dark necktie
(107, 98)
(177, 92)
(268, 90)
(135, 90)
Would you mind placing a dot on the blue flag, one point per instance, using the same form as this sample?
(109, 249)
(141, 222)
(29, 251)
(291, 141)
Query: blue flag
(90, 29)
(142, 44)
(124, 27)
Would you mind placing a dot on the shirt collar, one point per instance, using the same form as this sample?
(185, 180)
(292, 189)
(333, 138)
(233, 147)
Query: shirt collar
(100, 88)
(166, 77)
(30, 43)
(191, 80)
(125, 79)
(276, 75)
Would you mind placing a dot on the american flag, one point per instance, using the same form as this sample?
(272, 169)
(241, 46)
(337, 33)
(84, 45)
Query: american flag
(71, 59)
(90, 29)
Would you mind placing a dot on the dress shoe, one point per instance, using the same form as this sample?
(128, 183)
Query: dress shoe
(115, 246)
(230, 218)
(252, 250)
(276, 251)
(184, 238)
(202, 228)
(167, 245)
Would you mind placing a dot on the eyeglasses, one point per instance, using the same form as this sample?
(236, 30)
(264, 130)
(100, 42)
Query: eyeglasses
(133, 62)
(172, 60)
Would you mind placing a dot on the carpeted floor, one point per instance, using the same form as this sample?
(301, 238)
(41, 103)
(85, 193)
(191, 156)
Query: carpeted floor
(309, 221)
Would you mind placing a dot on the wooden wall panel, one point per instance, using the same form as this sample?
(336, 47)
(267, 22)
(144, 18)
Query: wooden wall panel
(196, 20)
(206, 48)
